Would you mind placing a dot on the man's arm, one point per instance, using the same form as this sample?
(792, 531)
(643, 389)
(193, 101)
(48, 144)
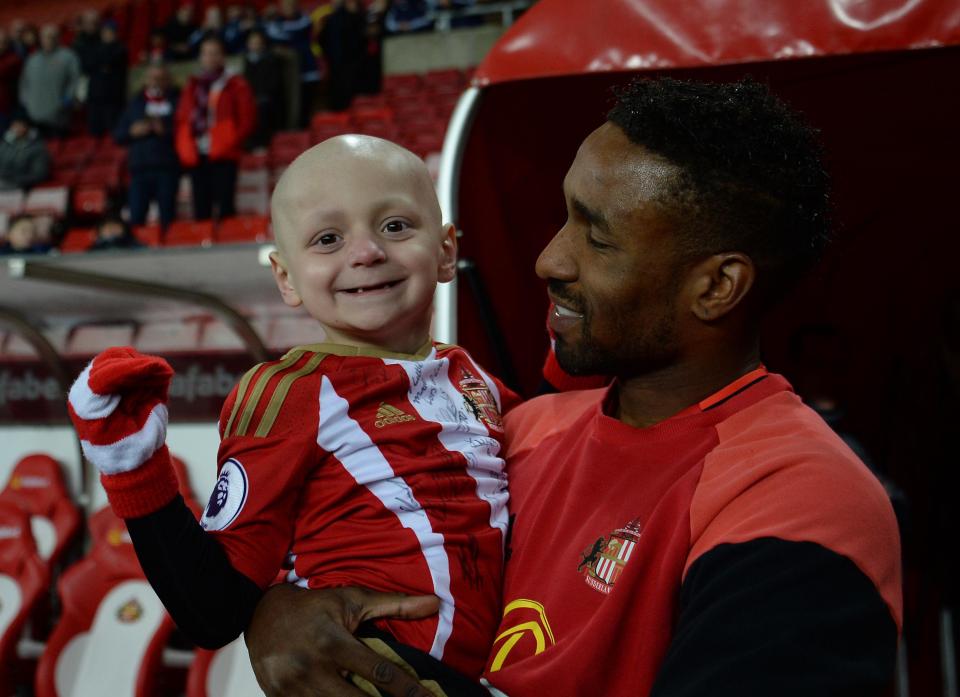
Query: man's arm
(301, 642)
(775, 617)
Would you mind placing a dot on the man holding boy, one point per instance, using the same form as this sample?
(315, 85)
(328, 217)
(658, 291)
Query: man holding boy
(693, 529)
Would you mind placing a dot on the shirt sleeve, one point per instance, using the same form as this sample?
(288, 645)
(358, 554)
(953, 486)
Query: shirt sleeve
(777, 617)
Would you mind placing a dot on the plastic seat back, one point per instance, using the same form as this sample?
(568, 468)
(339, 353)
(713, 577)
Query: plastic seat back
(226, 671)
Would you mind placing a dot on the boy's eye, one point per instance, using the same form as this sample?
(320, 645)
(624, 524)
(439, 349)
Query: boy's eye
(328, 241)
(395, 226)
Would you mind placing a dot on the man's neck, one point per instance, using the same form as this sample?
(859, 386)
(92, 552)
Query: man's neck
(645, 400)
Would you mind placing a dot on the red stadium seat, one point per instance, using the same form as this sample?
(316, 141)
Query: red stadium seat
(77, 240)
(113, 628)
(23, 583)
(331, 118)
(252, 161)
(226, 671)
(321, 133)
(37, 486)
(189, 232)
(284, 155)
(150, 235)
(372, 113)
(103, 175)
(89, 201)
(248, 228)
(62, 177)
(291, 140)
(404, 83)
(368, 101)
(445, 76)
(380, 129)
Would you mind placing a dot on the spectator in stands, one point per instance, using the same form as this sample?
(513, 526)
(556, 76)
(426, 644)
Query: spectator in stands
(261, 68)
(156, 51)
(10, 66)
(48, 83)
(24, 37)
(23, 237)
(114, 233)
(371, 73)
(344, 43)
(178, 32)
(216, 114)
(291, 27)
(241, 20)
(86, 39)
(212, 26)
(108, 81)
(409, 16)
(147, 127)
(24, 160)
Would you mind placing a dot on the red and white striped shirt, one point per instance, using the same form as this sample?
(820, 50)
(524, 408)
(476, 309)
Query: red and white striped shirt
(372, 469)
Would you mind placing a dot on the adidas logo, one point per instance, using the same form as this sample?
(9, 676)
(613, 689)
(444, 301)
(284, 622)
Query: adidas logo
(387, 416)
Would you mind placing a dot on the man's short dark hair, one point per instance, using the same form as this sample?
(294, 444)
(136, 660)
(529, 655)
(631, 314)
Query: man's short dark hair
(752, 179)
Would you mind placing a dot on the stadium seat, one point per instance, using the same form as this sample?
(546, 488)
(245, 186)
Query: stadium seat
(247, 228)
(89, 201)
(253, 201)
(255, 160)
(23, 582)
(50, 200)
(190, 232)
(37, 486)
(368, 101)
(290, 140)
(62, 177)
(444, 76)
(11, 202)
(322, 133)
(226, 671)
(253, 178)
(404, 83)
(150, 235)
(100, 174)
(77, 239)
(341, 119)
(380, 129)
(372, 113)
(111, 634)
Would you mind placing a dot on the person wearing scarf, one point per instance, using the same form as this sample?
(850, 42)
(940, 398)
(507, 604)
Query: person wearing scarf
(216, 114)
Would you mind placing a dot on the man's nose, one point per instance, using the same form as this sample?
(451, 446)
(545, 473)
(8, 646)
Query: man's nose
(556, 260)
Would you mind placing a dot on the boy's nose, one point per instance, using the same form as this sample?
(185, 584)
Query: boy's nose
(366, 251)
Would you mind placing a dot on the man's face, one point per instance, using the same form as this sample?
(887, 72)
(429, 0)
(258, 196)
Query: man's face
(363, 249)
(255, 43)
(22, 235)
(211, 56)
(612, 271)
(185, 14)
(49, 38)
(19, 128)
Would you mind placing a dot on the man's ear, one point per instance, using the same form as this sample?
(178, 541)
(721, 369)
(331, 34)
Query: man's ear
(282, 277)
(720, 283)
(448, 254)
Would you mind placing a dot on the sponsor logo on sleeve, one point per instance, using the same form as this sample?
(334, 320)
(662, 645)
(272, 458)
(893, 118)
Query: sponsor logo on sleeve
(228, 497)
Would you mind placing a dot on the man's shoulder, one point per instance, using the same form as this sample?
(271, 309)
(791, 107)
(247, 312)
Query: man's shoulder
(779, 471)
(536, 420)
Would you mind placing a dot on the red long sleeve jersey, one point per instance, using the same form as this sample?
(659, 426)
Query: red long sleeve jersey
(372, 469)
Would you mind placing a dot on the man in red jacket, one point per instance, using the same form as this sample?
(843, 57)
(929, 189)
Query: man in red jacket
(217, 112)
(693, 529)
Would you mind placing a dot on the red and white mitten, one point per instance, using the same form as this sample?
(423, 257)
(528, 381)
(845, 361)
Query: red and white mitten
(118, 406)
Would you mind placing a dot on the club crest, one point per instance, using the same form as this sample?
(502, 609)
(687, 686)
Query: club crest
(130, 611)
(480, 401)
(228, 497)
(604, 560)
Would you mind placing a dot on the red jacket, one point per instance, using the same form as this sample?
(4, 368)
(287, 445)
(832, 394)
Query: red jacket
(232, 117)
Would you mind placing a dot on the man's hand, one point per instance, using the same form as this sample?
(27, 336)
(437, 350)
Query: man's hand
(301, 642)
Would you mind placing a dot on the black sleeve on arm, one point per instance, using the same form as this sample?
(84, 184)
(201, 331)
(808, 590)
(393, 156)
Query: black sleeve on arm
(772, 617)
(210, 601)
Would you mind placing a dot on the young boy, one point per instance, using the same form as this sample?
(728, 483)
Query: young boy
(369, 460)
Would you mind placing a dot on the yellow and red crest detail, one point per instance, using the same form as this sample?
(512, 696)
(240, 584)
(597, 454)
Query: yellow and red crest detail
(480, 401)
(130, 611)
(604, 561)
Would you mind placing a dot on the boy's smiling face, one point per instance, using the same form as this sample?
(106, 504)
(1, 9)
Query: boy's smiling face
(361, 244)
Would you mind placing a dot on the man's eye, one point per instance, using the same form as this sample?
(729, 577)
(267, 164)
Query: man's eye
(597, 244)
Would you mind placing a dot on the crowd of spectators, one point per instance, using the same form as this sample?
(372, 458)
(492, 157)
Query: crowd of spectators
(51, 89)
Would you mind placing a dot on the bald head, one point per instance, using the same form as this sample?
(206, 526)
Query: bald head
(346, 171)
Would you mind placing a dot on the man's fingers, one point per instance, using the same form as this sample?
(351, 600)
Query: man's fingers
(372, 605)
(380, 671)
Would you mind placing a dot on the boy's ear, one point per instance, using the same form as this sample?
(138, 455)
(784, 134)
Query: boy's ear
(448, 254)
(282, 277)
